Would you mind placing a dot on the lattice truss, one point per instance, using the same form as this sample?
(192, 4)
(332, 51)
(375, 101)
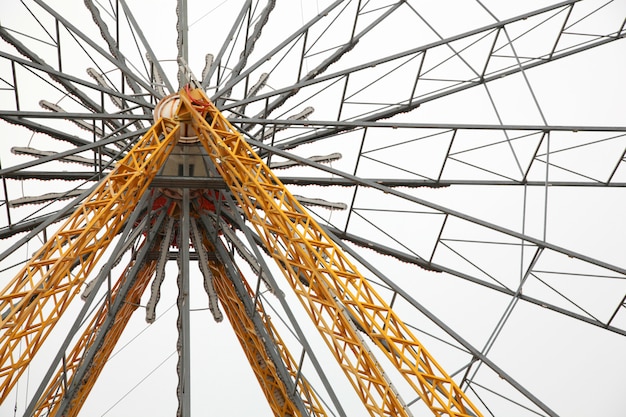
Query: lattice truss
(396, 210)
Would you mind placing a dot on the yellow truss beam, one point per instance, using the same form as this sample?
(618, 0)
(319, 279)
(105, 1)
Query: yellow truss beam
(262, 365)
(336, 296)
(133, 299)
(36, 298)
(51, 399)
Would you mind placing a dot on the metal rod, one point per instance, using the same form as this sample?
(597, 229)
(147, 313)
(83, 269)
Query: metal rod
(184, 313)
(266, 338)
(443, 326)
(442, 209)
(85, 309)
(231, 34)
(146, 44)
(355, 124)
(183, 43)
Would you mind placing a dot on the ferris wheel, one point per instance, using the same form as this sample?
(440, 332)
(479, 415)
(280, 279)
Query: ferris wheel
(328, 208)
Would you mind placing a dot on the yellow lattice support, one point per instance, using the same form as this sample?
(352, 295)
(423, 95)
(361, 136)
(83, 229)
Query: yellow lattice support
(33, 301)
(51, 399)
(331, 289)
(133, 299)
(263, 367)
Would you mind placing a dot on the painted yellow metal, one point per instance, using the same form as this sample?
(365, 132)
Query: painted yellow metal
(50, 400)
(39, 294)
(336, 296)
(124, 314)
(274, 389)
(260, 363)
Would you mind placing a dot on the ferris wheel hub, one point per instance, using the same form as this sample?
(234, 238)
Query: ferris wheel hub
(166, 108)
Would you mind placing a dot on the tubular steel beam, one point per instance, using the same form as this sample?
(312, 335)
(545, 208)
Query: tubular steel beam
(357, 124)
(231, 34)
(69, 116)
(413, 102)
(146, 44)
(280, 99)
(218, 183)
(255, 247)
(249, 45)
(90, 146)
(67, 78)
(422, 49)
(276, 50)
(184, 328)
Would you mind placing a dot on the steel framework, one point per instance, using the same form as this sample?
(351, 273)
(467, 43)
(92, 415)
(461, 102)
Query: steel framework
(448, 171)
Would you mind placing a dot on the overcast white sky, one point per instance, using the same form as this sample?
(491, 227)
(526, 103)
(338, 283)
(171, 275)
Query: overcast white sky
(575, 368)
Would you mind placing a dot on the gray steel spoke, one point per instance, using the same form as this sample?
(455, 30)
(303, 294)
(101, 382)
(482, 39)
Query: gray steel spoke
(475, 352)
(112, 43)
(420, 50)
(249, 47)
(257, 247)
(275, 50)
(182, 41)
(183, 323)
(90, 146)
(119, 63)
(37, 64)
(57, 134)
(146, 44)
(442, 209)
(356, 124)
(63, 81)
(336, 56)
(436, 267)
(218, 59)
(129, 279)
(414, 102)
(126, 239)
(459, 132)
(164, 182)
(251, 310)
(416, 183)
(69, 116)
(411, 104)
